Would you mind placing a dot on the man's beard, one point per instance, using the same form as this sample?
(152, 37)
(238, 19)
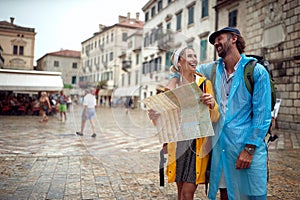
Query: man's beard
(225, 49)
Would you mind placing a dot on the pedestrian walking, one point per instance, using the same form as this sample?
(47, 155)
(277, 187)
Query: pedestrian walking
(44, 104)
(188, 160)
(239, 161)
(89, 103)
(62, 100)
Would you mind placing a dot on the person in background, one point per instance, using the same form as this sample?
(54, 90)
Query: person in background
(188, 160)
(88, 113)
(44, 106)
(239, 159)
(62, 100)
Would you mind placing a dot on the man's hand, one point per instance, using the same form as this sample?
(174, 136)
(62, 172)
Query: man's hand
(244, 160)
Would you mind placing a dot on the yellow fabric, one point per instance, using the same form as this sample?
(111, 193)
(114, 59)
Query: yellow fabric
(202, 146)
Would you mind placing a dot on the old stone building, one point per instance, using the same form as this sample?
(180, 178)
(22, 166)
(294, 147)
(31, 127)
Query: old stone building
(271, 29)
(169, 25)
(65, 61)
(100, 62)
(17, 44)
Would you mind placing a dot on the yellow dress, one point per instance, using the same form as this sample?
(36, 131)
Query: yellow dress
(187, 160)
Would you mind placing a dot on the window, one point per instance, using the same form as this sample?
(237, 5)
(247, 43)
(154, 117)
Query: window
(153, 12)
(129, 78)
(74, 65)
(169, 26)
(191, 15)
(123, 79)
(146, 16)
(146, 40)
(204, 8)
(112, 37)
(56, 63)
(107, 39)
(203, 49)
(15, 50)
(136, 77)
(21, 50)
(178, 21)
(73, 79)
(124, 37)
(169, 1)
(233, 18)
(159, 5)
(137, 59)
(18, 50)
(111, 56)
(157, 64)
(168, 60)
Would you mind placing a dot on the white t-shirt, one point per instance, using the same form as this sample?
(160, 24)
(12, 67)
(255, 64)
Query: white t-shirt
(89, 101)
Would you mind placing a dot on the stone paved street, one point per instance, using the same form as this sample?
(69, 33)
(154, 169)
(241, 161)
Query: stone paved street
(49, 161)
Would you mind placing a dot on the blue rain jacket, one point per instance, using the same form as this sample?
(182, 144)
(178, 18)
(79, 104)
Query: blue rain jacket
(246, 121)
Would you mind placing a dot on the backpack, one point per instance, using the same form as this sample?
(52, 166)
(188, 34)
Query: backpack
(248, 76)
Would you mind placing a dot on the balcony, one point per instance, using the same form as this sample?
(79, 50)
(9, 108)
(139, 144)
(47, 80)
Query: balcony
(165, 41)
(126, 64)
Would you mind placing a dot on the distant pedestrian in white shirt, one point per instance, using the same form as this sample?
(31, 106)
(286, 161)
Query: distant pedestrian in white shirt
(89, 103)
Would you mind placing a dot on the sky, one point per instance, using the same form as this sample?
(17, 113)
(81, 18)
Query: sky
(64, 24)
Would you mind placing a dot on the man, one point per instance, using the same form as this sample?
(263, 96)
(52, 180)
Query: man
(239, 158)
(62, 100)
(89, 103)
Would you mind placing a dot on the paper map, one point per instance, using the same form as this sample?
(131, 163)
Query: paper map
(182, 115)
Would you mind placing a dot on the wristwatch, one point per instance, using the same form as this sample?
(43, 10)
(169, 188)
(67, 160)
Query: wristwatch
(249, 150)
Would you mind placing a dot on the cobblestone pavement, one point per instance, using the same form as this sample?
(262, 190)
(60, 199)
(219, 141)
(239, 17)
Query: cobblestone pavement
(48, 161)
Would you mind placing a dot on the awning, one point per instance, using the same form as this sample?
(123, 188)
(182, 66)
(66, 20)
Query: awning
(127, 91)
(105, 92)
(30, 80)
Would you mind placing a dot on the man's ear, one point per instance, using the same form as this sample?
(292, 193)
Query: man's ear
(234, 39)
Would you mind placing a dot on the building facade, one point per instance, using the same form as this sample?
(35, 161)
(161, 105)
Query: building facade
(17, 44)
(129, 82)
(171, 24)
(65, 61)
(271, 29)
(100, 61)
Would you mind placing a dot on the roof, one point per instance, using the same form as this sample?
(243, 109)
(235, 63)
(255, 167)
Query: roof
(66, 53)
(132, 23)
(11, 26)
(63, 53)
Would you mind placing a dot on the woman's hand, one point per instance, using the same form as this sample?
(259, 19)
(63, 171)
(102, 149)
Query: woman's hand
(208, 100)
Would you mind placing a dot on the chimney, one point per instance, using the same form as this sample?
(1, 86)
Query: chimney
(128, 16)
(101, 27)
(137, 16)
(12, 20)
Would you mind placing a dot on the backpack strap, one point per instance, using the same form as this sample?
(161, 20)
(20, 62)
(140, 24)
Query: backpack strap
(248, 75)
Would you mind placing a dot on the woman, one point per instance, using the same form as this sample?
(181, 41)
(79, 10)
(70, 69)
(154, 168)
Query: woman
(188, 160)
(44, 106)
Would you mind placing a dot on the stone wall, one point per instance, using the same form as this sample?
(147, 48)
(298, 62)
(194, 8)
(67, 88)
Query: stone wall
(273, 31)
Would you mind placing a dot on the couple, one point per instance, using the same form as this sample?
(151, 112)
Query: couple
(240, 120)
